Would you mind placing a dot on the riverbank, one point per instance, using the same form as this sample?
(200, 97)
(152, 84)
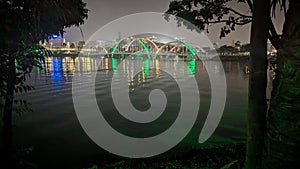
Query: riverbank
(232, 57)
(222, 156)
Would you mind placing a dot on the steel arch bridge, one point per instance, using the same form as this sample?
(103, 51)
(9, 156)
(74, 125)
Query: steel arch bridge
(146, 47)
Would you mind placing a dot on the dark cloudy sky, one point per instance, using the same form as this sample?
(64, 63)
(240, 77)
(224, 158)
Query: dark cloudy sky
(104, 11)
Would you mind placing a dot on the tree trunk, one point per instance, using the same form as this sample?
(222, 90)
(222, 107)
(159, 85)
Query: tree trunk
(257, 106)
(283, 129)
(7, 116)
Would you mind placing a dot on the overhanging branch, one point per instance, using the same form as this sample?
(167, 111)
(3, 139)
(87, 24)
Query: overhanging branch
(230, 9)
(229, 21)
(238, 13)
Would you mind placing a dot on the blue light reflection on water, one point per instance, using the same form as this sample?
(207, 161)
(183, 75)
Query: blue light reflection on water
(56, 75)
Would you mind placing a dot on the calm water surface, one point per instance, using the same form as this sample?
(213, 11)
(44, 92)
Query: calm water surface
(58, 139)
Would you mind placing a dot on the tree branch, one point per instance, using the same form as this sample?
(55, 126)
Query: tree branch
(273, 35)
(250, 4)
(236, 12)
(227, 20)
(232, 10)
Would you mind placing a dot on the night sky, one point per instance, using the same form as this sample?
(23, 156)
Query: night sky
(104, 11)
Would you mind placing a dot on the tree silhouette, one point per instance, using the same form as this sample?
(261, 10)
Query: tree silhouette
(23, 24)
(273, 135)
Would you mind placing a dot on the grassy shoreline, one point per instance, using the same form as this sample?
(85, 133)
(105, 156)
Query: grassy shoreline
(223, 156)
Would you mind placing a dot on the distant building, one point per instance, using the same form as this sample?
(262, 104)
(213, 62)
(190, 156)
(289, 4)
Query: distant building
(79, 44)
(56, 41)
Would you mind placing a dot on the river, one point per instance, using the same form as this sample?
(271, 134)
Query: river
(58, 138)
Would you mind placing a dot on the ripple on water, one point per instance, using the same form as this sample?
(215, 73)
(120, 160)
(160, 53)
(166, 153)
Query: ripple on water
(54, 115)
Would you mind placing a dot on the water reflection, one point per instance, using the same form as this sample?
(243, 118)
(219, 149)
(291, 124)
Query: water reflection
(54, 89)
(61, 69)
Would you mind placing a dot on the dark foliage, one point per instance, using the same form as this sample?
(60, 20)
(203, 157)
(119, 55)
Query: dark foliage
(222, 156)
(23, 24)
(203, 13)
(32, 20)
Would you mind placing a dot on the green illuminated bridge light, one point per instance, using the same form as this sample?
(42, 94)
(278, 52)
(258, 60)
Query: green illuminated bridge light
(136, 39)
(154, 49)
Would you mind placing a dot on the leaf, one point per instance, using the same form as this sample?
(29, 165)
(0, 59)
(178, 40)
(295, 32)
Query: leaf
(93, 167)
(227, 166)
